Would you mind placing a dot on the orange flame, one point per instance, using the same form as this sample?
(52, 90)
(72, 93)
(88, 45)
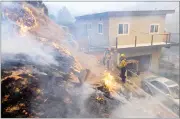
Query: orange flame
(15, 74)
(5, 98)
(21, 22)
(12, 108)
(109, 81)
(99, 98)
(77, 65)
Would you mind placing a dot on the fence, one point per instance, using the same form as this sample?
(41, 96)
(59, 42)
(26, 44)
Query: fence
(144, 39)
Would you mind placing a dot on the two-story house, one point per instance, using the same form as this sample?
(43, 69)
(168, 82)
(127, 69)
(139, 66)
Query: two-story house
(138, 34)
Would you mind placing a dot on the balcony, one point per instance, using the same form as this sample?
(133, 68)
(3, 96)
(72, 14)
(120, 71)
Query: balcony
(144, 40)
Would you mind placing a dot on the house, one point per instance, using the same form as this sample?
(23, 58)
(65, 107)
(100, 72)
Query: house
(138, 34)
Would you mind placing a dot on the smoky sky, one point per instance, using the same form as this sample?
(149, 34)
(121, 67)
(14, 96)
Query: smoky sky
(81, 8)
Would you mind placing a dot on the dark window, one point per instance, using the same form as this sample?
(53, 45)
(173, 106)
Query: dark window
(100, 28)
(120, 28)
(123, 29)
(160, 87)
(154, 28)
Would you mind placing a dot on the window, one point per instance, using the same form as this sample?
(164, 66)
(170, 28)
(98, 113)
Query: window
(160, 87)
(154, 28)
(100, 28)
(174, 91)
(123, 29)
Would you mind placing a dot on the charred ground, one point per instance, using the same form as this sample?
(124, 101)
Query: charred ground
(30, 89)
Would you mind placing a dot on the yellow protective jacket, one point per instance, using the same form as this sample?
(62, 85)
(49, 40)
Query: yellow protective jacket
(123, 63)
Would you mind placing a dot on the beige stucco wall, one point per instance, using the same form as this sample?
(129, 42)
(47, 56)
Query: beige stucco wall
(154, 51)
(138, 26)
(155, 60)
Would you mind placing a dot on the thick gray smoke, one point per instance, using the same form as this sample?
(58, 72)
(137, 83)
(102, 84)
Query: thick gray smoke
(14, 43)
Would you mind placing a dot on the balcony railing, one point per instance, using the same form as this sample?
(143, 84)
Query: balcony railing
(143, 40)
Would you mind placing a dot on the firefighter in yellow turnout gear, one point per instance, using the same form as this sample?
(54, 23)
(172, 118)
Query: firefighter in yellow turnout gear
(122, 66)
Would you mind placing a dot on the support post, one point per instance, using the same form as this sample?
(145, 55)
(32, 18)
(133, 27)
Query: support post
(116, 42)
(169, 37)
(135, 40)
(152, 40)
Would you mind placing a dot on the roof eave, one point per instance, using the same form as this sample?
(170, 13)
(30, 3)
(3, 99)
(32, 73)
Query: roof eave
(125, 13)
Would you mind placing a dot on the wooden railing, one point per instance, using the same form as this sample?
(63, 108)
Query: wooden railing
(151, 40)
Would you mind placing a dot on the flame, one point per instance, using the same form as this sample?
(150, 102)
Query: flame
(22, 105)
(5, 98)
(77, 65)
(12, 108)
(28, 18)
(15, 74)
(38, 91)
(26, 22)
(57, 46)
(99, 98)
(109, 82)
(25, 112)
(17, 90)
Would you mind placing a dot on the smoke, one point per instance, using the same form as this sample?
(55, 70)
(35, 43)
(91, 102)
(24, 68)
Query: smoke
(7, 4)
(135, 109)
(148, 107)
(85, 91)
(65, 101)
(87, 60)
(12, 43)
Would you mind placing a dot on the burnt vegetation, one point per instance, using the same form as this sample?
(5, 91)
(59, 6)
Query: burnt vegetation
(39, 4)
(30, 89)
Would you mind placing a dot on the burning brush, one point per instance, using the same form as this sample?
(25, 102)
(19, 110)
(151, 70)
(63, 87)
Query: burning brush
(22, 16)
(99, 96)
(25, 90)
(33, 20)
(109, 82)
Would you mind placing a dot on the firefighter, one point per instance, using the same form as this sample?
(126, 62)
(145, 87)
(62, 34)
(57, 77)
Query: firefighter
(122, 66)
(105, 56)
(108, 58)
